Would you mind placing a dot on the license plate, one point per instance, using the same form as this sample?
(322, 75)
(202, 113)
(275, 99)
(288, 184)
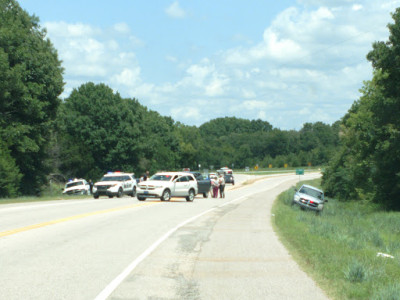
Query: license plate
(146, 192)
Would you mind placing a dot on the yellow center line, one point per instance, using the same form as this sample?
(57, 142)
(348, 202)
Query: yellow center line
(81, 216)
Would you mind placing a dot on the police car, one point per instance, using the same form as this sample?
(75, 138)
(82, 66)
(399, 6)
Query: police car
(115, 184)
(77, 187)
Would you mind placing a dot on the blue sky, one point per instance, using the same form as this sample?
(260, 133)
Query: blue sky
(286, 62)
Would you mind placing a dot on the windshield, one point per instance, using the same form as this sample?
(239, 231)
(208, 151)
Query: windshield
(312, 192)
(75, 183)
(112, 178)
(161, 177)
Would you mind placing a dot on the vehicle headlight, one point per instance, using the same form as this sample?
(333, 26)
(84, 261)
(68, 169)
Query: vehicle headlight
(296, 198)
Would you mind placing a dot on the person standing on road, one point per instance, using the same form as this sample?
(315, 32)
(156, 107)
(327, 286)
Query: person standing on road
(91, 186)
(215, 185)
(221, 182)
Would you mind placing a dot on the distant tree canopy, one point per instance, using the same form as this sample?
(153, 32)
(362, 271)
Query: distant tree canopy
(31, 81)
(368, 164)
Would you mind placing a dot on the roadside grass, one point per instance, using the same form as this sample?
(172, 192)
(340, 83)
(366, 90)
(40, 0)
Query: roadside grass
(50, 192)
(267, 171)
(339, 248)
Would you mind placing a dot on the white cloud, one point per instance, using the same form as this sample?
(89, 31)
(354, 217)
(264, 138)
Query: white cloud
(186, 112)
(255, 105)
(216, 86)
(357, 7)
(121, 28)
(127, 77)
(175, 11)
(171, 58)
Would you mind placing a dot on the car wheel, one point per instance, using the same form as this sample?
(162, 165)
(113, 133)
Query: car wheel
(110, 196)
(133, 192)
(166, 195)
(205, 195)
(95, 196)
(190, 197)
(119, 194)
(141, 198)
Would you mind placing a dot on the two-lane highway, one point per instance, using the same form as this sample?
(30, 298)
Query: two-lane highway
(124, 248)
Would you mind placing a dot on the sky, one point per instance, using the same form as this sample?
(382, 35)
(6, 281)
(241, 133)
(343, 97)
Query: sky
(287, 62)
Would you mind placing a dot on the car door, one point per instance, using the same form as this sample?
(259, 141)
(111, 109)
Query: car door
(182, 186)
(127, 183)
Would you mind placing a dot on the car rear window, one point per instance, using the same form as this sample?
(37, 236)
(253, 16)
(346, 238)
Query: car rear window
(161, 177)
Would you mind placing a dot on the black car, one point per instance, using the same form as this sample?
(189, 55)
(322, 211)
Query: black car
(203, 184)
(228, 176)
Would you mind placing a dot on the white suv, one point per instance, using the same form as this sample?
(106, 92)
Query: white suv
(77, 187)
(115, 184)
(168, 184)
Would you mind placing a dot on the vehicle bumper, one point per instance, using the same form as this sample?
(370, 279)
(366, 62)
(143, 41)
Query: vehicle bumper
(317, 207)
(105, 192)
(157, 193)
(76, 192)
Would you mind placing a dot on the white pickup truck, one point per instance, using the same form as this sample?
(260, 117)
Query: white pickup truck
(166, 185)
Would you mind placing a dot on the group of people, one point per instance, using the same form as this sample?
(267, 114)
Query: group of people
(218, 184)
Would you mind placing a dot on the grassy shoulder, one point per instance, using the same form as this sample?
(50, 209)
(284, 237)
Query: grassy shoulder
(339, 248)
(50, 192)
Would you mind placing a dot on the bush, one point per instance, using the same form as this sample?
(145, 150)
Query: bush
(356, 272)
(11, 177)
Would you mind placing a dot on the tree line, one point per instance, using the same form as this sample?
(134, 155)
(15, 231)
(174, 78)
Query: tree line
(367, 165)
(95, 130)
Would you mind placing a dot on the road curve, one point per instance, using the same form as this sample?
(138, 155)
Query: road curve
(231, 252)
(123, 248)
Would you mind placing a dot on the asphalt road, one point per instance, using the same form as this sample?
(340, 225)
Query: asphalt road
(126, 249)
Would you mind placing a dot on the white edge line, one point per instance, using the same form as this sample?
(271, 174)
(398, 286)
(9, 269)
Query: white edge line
(112, 286)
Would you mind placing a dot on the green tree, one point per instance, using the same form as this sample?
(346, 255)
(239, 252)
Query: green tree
(31, 81)
(10, 176)
(369, 164)
(99, 132)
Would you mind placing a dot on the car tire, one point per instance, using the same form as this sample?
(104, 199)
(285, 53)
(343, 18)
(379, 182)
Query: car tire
(95, 196)
(133, 194)
(191, 195)
(205, 195)
(140, 198)
(110, 196)
(166, 195)
(119, 194)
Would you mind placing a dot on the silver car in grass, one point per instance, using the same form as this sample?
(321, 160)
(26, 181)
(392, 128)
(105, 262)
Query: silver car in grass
(309, 197)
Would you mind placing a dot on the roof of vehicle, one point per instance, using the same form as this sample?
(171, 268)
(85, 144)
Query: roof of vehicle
(76, 179)
(174, 173)
(226, 169)
(118, 174)
(312, 187)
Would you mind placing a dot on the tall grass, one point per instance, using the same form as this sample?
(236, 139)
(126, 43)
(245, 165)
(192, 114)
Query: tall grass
(339, 247)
